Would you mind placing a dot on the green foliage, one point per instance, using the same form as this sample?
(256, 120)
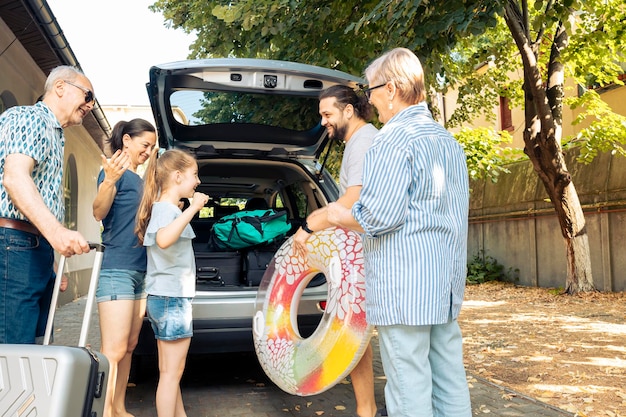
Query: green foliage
(297, 113)
(484, 268)
(605, 133)
(556, 291)
(304, 31)
(479, 69)
(598, 43)
(342, 35)
(333, 163)
(486, 157)
(453, 38)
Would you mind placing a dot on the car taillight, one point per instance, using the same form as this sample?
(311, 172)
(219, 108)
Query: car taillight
(321, 305)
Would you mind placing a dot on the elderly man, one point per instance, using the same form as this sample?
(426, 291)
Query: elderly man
(32, 203)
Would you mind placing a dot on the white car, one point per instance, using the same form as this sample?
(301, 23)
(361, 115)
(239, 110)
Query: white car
(254, 128)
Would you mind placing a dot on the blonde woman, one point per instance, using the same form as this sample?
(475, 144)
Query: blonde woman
(413, 212)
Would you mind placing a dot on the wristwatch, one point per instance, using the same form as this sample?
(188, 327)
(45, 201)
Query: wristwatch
(305, 227)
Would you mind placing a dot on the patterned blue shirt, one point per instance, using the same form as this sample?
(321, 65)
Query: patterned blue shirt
(414, 210)
(34, 131)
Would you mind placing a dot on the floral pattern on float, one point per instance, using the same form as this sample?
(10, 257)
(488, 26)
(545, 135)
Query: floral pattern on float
(309, 366)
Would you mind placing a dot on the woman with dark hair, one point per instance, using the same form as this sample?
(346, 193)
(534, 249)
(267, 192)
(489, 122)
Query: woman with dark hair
(121, 293)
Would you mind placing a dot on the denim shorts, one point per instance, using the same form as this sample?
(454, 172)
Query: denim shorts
(170, 317)
(120, 284)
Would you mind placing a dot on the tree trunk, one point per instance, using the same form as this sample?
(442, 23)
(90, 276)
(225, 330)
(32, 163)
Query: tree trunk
(579, 277)
(551, 169)
(542, 139)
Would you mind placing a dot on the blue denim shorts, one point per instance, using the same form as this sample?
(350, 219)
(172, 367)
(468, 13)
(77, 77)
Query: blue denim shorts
(120, 284)
(170, 317)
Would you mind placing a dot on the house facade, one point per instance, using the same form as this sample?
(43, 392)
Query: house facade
(32, 44)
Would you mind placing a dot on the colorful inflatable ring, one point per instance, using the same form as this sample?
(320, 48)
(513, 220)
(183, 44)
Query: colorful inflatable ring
(310, 366)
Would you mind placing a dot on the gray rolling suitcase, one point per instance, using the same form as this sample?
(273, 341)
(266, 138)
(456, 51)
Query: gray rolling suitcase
(55, 381)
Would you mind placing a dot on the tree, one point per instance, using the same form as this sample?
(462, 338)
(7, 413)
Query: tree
(543, 103)
(548, 40)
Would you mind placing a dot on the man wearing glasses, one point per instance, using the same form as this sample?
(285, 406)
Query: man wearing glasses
(32, 203)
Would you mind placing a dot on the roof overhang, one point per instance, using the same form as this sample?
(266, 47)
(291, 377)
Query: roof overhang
(36, 28)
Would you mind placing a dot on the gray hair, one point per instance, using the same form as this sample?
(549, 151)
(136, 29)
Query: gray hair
(62, 72)
(402, 67)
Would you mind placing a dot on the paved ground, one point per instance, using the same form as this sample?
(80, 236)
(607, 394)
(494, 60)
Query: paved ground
(235, 386)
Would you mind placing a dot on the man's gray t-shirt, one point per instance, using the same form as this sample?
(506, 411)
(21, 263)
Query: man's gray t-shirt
(351, 172)
(171, 272)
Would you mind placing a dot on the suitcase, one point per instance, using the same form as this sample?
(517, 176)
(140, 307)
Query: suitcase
(218, 269)
(55, 381)
(255, 264)
(256, 261)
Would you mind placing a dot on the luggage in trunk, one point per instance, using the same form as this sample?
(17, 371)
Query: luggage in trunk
(256, 260)
(255, 264)
(218, 269)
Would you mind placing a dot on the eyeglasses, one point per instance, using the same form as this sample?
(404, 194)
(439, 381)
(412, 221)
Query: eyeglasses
(88, 93)
(368, 91)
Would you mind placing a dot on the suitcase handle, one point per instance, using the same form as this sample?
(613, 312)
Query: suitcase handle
(91, 295)
(210, 275)
(207, 272)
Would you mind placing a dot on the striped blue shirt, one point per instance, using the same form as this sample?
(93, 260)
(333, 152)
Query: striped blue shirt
(414, 211)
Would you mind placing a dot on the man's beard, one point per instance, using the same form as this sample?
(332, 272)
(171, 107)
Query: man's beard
(339, 132)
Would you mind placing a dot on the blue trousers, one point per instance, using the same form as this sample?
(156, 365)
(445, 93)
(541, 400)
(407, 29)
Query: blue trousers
(26, 283)
(424, 370)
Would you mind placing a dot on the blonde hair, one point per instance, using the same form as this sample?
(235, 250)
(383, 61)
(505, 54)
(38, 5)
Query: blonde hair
(403, 68)
(156, 179)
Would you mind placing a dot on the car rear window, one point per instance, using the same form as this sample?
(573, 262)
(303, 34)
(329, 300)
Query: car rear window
(197, 108)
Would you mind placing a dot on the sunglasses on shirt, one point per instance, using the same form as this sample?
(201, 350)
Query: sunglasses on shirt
(88, 93)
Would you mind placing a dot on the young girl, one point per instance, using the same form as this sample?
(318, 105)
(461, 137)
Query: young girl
(171, 273)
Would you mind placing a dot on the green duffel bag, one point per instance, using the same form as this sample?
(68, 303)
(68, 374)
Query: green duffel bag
(249, 228)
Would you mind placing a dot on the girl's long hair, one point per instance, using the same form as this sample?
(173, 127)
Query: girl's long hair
(155, 181)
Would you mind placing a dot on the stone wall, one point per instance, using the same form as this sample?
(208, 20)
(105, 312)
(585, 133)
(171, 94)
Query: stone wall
(514, 222)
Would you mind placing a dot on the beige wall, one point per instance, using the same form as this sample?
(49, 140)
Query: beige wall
(116, 113)
(18, 72)
(87, 156)
(615, 97)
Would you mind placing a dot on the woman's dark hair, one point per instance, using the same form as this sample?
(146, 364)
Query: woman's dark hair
(133, 128)
(346, 95)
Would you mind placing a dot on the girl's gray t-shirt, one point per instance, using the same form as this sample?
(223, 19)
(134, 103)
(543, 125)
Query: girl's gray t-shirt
(171, 271)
